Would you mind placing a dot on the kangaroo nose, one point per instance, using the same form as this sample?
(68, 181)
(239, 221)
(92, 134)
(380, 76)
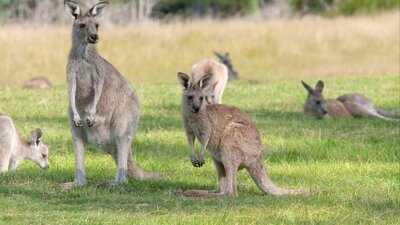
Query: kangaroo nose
(93, 38)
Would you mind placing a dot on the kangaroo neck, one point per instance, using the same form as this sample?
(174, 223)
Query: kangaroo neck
(23, 150)
(199, 116)
(85, 51)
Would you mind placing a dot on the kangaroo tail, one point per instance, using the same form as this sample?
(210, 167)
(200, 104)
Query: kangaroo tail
(135, 172)
(258, 173)
(386, 114)
(198, 194)
(378, 113)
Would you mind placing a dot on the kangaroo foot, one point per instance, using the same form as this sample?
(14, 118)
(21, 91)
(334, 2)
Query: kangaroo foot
(198, 194)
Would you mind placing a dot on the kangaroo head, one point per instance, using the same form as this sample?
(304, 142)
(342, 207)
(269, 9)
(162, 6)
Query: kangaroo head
(226, 60)
(193, 98)
(85, 26)
(39, 151)
(315, 105)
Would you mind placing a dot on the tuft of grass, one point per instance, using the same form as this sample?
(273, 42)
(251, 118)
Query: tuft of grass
(351, 165)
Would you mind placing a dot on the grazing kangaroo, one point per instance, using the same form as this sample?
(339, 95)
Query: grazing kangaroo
(103, 107)
(38, 82)
(229, 135)
(226, 60)
(348, 105)
(219, 78)
(13, 149)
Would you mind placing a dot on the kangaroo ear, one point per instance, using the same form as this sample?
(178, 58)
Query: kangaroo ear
(320, 86)
(39, 134)
(218, 55)
(205, 81)
(307, 87)
(36, 137)
(98, 9)
(72, 8)
(184, 80)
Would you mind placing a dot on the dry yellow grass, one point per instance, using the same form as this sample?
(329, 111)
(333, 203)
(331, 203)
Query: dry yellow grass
(311, 47)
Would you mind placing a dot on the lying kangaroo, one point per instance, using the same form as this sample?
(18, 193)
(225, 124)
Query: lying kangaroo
(218, 82)
(226, 60)
(229, 135)
(349, 105)
(38, 82)
(13, 149)
(103, 107)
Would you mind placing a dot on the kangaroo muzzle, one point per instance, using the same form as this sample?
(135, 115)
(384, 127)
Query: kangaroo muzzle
(93, 38)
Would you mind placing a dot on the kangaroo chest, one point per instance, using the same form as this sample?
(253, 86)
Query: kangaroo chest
(86, 75)
(202, 129)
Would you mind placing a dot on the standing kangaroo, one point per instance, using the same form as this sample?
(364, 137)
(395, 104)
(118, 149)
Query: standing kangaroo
(219, 78)
(229, 135)
(226, 60)
(348, 105)
(13, 149)
(103, 107)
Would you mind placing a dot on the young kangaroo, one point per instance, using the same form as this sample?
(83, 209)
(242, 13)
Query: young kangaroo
(103, 107)
(229, 135)
(349, 105)
(219, 78)
(226, 60)
(13, 149)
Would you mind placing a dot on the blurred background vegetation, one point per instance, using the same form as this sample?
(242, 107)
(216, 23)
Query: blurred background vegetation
(123, 11)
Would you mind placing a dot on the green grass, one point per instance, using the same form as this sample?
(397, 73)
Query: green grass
(352, 165)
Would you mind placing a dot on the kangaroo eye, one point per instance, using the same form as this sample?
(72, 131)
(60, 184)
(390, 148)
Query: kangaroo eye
(201, 98)
(97, 26)
(190, 97)
(44, 155)
(318, 102)
(82, 25)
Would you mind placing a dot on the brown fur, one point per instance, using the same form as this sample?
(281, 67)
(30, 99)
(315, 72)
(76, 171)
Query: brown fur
(229, 135)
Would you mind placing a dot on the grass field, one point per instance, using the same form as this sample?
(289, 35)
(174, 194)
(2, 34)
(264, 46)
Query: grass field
(351, 165)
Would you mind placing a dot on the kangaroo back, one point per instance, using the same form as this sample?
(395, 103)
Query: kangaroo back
(219, 79)
(359, 106)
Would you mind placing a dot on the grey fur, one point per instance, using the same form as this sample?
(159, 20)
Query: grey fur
(231, 138)
(13, 149)
(226, 60)
(103, 107)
